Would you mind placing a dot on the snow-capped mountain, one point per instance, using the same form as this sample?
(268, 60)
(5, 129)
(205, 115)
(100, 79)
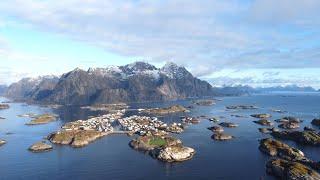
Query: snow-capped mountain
(134, 82)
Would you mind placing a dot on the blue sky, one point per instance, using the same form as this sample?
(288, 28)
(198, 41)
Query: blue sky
(253, 42)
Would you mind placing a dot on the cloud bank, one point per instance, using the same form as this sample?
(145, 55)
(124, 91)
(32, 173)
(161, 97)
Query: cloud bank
(205, 36)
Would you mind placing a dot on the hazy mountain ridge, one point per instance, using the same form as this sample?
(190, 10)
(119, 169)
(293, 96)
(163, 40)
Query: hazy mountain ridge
(240, 90)
(134, 82)
(3, 89)
(31, 88)
(287, 88)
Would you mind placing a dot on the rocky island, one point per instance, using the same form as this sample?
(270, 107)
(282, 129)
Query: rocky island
(107, 107)
(281, 150)
(166, 110)
(217, 129)
(261, 116)
(242, 107)
(284, 169)
(42, 119)
(221, 136)
(164, 148)
(205, 102)
(4, 106)
(75, 138)
(40, 147)
(315, 122)
(228, 124)
(2, 142)
(301, 137)
(264, 122)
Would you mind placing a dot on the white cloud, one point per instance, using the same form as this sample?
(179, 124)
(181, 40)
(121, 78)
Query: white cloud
(205, 35)
(295, 12)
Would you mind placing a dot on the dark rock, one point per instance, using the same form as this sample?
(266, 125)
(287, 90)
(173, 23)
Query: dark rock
(206, 102)
(261, 116)
(301, 137)
(289, 125)
(217, 129)
(264, 130)
(228, 124)
(289, 170)
(289, 119)
(274, 129)
(307, 128)
(238, 116)
(276, 148)
(264, 122)
(221, 136)
(292, 119)
(315, 122)
(242, 107)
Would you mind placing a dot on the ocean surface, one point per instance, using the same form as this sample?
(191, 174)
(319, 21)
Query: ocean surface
(112, 158)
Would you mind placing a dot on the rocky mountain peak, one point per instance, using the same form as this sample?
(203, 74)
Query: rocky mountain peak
(138, 66)
(73, 72)
(172, 70)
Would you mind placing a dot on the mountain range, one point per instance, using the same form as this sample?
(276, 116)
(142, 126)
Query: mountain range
(287, 88)
(136, 82)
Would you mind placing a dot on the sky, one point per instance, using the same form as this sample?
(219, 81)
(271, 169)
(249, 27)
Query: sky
(227, 42)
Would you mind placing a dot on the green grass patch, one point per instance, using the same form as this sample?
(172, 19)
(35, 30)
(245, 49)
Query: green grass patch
(157, 141)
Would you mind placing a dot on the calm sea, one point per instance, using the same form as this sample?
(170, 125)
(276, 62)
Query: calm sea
(112, 158)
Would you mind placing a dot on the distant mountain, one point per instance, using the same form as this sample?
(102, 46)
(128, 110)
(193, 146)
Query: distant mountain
(241, 90)
(234, 90)
(134, 82)
(32, 88)
(3, 89)
(287, 88)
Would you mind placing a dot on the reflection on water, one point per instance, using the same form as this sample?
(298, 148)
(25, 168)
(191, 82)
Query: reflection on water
(112, 158)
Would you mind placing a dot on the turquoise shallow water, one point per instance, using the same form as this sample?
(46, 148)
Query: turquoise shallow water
(112, 158)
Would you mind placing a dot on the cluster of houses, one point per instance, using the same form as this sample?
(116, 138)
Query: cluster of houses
(142, 124)
(102, 123)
